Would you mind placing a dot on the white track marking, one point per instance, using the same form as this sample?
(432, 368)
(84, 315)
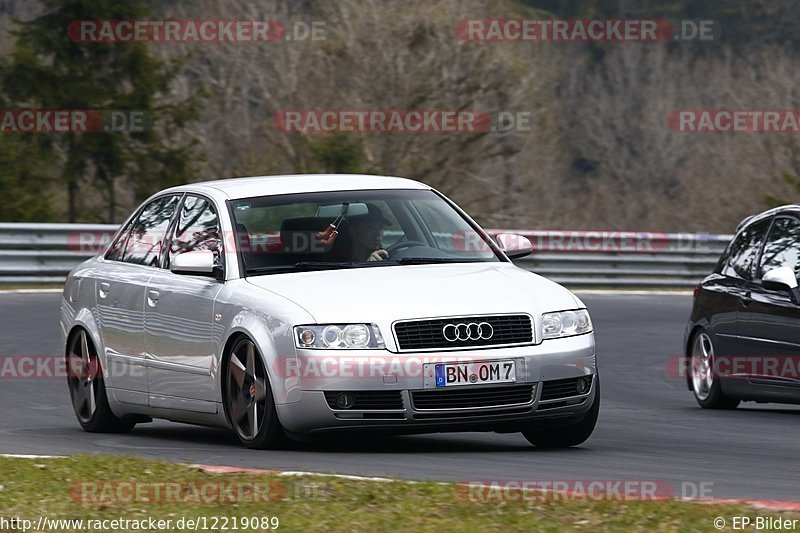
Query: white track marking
(31, 291)
(24, 456)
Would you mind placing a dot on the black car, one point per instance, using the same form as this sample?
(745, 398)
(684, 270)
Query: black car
(743, 337)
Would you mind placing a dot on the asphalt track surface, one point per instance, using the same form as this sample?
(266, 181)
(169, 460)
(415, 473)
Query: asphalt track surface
(650, 427)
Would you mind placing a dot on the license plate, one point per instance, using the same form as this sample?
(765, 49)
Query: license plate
(455, 374)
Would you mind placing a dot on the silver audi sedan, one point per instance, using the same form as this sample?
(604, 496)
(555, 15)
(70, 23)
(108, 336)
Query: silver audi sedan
(284, 307)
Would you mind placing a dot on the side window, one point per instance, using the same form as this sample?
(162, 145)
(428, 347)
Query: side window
(782, 247)
(144, 243)
(197, 228)
(743, 252)
(117, 248)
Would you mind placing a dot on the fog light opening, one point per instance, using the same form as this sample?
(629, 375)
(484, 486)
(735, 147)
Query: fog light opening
(582, 386)
(345, 400)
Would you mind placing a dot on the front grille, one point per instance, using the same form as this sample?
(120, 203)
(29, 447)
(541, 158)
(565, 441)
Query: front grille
(460, 398)
(368, 400)
(425, 334)
(369, 415)
(561, 388)
(443, 415)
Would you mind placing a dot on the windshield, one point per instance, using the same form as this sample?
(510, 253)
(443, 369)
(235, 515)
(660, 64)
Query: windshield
(348, 229)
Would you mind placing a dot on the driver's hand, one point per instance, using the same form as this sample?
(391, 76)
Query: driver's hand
(378, 255)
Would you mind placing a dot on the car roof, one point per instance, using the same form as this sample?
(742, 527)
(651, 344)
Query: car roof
(788, 208)
(247, 187)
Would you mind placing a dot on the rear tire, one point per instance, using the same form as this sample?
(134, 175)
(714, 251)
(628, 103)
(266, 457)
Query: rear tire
(565, 433)
(703, 375)
(87, 388)
(249, 403)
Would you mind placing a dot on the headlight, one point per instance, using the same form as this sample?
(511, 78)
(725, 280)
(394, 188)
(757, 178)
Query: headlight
(339, 336)
(566, 323)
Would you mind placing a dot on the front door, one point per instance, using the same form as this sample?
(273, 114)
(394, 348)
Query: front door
(179, 318)
(769, 325)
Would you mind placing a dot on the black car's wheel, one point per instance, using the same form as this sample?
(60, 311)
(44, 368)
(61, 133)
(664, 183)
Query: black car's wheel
(248, 399)
(87, 389)
(703, 375)
(562, 433)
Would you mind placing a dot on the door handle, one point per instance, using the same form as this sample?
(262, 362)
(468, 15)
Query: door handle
(152, 298)
(103, 289)
(746, 299)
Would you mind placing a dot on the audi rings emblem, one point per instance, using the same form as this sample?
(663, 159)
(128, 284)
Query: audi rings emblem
(468, 332)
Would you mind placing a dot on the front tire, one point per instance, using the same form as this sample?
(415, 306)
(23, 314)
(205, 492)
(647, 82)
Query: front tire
(703, 375)
(565, 433)
(87, 388)
(249, 403)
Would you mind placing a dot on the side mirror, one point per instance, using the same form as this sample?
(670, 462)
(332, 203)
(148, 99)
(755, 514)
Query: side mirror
(515, 246)
(194, 262)
(782, 278)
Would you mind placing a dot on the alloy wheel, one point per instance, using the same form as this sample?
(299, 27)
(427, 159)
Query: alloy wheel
(246, 390)
(702, 366)
(82, 376)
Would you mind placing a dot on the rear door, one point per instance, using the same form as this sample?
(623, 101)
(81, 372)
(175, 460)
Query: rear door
(120, 289)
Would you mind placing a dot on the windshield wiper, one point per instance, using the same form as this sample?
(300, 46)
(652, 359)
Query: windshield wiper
(332, 265)
(303, 265)
(324, 264)
(432, 260)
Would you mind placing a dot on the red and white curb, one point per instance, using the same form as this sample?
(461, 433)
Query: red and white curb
(216, 469)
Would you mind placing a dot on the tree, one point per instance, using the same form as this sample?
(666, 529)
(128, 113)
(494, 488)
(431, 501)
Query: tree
(375, 56)
(48, 70)
(23, 180)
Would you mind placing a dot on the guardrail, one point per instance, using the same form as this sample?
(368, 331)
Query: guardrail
(622, 259)
(45, 253)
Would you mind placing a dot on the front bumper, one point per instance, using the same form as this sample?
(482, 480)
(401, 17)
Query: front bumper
(546, 367)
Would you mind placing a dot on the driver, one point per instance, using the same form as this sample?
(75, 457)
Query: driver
(367, 231)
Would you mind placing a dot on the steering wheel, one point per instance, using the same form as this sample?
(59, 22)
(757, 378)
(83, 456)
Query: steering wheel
(402, 245)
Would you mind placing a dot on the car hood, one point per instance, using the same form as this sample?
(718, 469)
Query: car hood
(389, 293)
